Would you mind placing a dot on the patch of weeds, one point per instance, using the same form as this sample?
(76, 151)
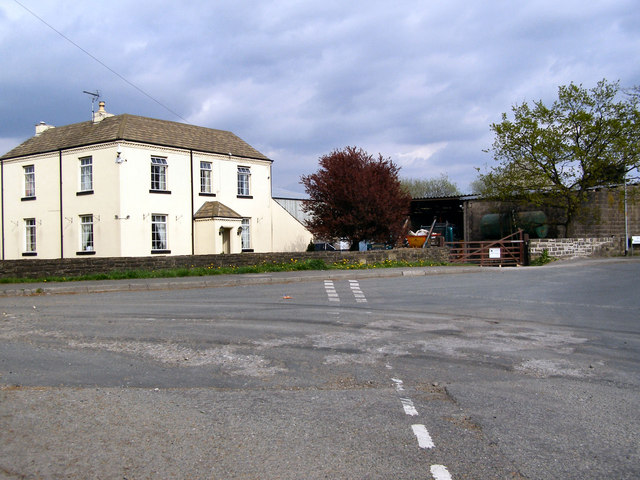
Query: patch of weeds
(542, 259)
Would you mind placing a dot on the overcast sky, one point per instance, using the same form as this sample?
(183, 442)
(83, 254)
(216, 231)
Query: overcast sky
(417, 81)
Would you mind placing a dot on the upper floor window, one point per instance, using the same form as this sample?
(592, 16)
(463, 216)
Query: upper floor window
(29, 181)
(86, 233)
(158, 173)
(244, 177)
(159, 233)
(86, 174)
(205, 177)
(30, 235)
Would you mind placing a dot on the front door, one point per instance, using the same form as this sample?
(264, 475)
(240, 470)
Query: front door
(226, 240)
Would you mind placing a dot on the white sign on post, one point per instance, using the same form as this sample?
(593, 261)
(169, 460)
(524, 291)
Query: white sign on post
(635, 239)
(494, 253)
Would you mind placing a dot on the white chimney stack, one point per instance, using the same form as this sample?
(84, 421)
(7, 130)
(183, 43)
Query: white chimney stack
(42, 127)
(101, 114)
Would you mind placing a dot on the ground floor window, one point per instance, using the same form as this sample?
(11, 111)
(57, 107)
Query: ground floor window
(159, 232)
(86, 233)
(30, 235)
(246, 234)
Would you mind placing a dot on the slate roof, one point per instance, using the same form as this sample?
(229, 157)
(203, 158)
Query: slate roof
(215, 210)
(136, 129)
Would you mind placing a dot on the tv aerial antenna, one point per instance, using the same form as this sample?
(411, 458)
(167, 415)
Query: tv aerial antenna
(94, 98)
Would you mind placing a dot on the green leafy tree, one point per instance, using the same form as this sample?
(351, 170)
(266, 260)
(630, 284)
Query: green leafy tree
(430, 187)
(479, 186)
(356, 196)
(552, 155)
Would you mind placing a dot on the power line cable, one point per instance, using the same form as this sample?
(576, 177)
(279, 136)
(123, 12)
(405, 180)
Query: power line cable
(102, 63)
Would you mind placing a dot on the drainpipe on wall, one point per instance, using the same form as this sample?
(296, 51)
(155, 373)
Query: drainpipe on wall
(271, 203)
(61, 217)
(193, 242)
(2, 203)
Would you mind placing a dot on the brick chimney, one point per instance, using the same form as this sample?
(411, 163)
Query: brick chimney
(101, 114)
(42, 127)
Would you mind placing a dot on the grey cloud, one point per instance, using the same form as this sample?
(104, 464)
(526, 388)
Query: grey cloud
(298, 79)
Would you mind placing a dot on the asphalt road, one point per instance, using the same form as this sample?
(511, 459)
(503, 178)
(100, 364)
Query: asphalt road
(521, 373)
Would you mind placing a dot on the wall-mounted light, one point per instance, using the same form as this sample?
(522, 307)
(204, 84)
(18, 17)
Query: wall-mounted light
(239, 231)
(119, 157)
(221, 231)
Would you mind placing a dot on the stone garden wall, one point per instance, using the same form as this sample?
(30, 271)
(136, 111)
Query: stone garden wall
(68, 267)
(577, 247)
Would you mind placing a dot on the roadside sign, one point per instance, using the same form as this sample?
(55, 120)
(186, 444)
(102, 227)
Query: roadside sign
(635, 239)
(494, 253)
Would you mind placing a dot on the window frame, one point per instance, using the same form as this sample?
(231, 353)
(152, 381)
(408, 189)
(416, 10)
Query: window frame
(159, 238)
(244, 182)
(29, 172)
(30, 237)
(245, 235)
(206, 178)
(159, 177)
(86, 171)
(87, 238)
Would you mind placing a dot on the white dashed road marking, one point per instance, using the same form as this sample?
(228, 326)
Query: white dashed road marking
(357, 292)
(424, 439)
(440, 472)
(398, 382)
(331, 291)
(333, 296)
(408, 406)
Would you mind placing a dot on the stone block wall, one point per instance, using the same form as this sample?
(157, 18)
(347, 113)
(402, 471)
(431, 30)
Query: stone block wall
(602, 215)
(71, 267)
(576, 247)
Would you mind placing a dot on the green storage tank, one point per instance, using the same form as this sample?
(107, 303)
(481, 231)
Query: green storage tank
(495, 225)
(534, 223)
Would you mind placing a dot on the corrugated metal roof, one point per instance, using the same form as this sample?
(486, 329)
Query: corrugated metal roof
(136, 129)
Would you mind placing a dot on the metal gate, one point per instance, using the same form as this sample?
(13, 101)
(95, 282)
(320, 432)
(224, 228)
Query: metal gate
(509, 251)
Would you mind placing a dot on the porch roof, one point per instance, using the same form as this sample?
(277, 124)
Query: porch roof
(216, 210)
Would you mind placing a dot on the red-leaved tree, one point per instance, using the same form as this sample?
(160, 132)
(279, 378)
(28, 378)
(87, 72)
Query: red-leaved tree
(357, 197)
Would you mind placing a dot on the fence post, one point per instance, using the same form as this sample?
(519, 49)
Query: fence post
(525, 250)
